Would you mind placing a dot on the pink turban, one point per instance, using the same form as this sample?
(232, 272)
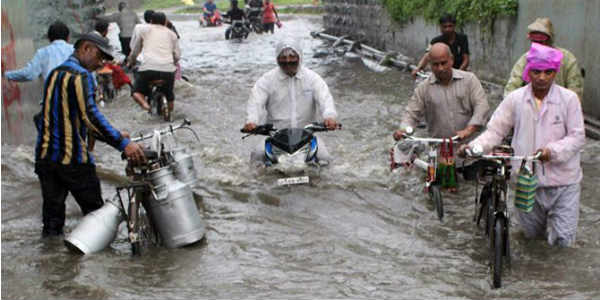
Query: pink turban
(542, 57)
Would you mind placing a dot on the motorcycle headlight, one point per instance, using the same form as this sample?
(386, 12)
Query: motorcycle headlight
(291, 162)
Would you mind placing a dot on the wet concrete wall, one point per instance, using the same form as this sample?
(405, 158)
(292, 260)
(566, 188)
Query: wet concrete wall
(24, 28)
(19, 100)
(493, 50)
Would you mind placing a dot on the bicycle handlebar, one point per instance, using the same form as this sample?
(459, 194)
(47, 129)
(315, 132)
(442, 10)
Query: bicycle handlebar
(170, 129)
(454, 139)
(533, 157)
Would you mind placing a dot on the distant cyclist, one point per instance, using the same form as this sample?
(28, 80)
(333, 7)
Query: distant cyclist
(160, 47)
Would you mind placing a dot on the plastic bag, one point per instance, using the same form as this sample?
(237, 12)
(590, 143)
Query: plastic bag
(526, 187)
(446, 169)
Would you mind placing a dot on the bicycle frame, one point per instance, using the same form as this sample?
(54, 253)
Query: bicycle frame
(429, 165)
(497, 213)
(140, 188)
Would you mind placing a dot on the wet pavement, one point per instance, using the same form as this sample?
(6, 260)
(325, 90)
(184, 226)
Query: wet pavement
(358, 231)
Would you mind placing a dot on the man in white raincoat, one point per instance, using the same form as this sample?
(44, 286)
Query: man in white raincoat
(291, 96)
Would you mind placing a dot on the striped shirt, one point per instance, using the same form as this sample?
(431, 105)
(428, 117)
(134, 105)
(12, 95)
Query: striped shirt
(68, 112)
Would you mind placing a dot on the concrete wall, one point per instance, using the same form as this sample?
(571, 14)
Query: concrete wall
(19, 100)
(493, 52)
(24, 27)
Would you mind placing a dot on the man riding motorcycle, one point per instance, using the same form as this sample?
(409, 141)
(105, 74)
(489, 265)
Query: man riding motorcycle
(290, 96)
(254, 14)
(211, 16)
(235, 14)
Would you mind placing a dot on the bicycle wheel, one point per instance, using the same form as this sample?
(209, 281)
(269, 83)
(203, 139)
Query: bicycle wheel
(148, 233)
(484, 201)
(499, 250)
(436, 197)
(165, 109)
(133, 226)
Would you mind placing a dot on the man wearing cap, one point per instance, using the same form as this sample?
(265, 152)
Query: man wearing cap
(569, 76)
(69, 111)
(290, 96)
(546, 118)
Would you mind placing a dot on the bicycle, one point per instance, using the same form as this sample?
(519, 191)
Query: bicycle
(157, 99)
(492, 203)
(429, 165)
(152, 186)
(105, 90)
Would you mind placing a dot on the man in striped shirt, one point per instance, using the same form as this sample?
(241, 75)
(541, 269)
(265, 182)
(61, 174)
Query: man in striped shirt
(69, 110)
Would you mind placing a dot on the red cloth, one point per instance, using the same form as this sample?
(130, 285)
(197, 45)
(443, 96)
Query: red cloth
(119, 77)
(268, 13)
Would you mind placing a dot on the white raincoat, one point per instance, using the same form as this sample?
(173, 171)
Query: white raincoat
(290, 102)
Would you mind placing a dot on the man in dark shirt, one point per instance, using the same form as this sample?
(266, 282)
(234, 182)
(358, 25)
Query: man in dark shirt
(458, 43)
(62, 160)
(234, 14)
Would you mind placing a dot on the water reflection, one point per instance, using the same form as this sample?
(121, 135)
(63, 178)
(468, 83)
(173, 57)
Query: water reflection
(360, 232)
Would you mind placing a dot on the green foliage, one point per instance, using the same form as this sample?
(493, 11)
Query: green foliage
(159, 4)
(483, 12)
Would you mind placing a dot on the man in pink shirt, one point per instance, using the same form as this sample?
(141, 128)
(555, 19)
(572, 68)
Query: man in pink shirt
(546, 118)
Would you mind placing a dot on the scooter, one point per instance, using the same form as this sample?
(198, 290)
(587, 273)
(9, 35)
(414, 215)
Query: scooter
(212, 20)
(291, 150)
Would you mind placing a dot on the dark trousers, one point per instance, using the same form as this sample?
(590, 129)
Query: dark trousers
(56, 181)
(269, 27)
(125, 45)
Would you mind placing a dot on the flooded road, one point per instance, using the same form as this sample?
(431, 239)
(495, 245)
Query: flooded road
(357, 232)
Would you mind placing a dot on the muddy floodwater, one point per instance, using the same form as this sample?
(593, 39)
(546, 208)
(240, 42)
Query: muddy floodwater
(358, 231)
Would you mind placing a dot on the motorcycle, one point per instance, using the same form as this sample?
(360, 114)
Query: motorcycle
(254, 15)
(237, 31)
(291, 150)
(211, 20)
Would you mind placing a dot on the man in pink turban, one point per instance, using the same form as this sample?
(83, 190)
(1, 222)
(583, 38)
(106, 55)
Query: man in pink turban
(569, 76)
(546, 118)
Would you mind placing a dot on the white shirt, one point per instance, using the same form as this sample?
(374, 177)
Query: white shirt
(290, 101)
(159, 46)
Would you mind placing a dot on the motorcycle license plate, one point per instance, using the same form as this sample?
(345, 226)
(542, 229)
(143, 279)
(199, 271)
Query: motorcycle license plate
(292, 180)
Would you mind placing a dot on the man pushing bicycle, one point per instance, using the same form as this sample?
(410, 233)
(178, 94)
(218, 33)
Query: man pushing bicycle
(451, 101)
(546, 118)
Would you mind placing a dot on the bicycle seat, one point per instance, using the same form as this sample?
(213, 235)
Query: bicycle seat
(157, 82)
(150, 154)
